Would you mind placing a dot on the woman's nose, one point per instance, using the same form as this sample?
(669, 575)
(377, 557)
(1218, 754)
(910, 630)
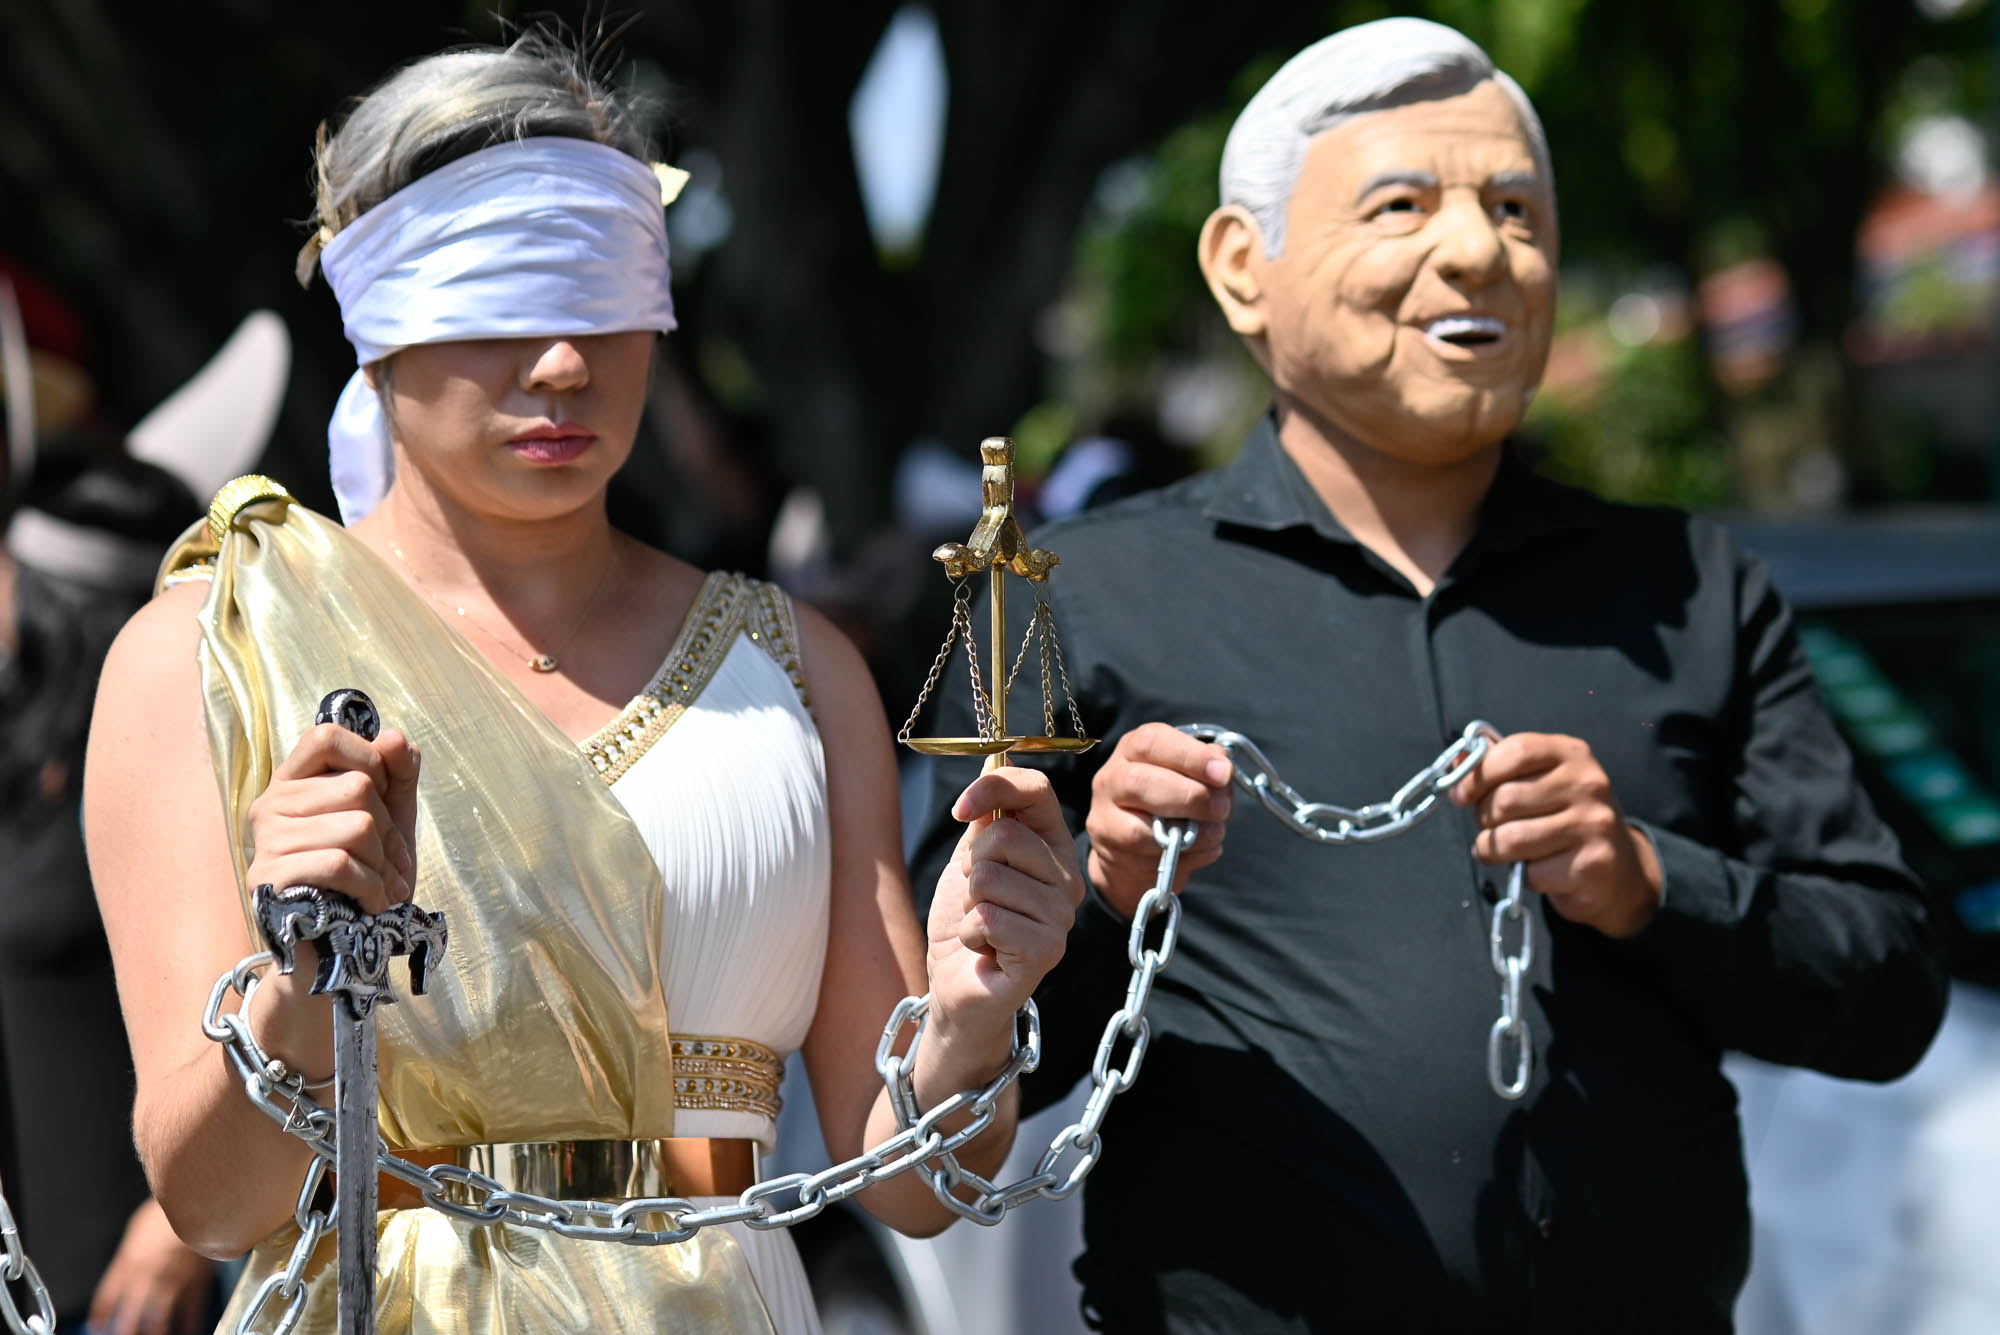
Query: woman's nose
(558, 365)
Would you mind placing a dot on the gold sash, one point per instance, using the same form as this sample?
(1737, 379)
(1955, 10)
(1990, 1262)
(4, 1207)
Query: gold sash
(547, 1019)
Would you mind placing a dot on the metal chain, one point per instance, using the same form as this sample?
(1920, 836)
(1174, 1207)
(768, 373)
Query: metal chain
(1062, 669)
(1053, 1179)
(1047, 618)
(1021, 656)
(920, 1143)
(1512, 1026)
(1327, 823)
(1042, 629)
(982, 704)
(21, 1280)
(1331, 824)
(960, 600)
(288, 1286)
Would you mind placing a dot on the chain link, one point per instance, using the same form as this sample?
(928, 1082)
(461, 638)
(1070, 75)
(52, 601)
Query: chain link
(19, 1279)
(1512, 1026)
(1331, 824)
(1327, 823)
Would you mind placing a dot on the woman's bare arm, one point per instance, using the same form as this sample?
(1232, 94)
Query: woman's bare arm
(225, 1174)
(876, 952)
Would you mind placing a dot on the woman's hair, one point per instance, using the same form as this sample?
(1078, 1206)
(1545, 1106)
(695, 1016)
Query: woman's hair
(455, 103)
(64, 627)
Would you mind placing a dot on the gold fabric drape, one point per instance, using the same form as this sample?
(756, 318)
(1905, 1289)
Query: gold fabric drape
(547, 1019)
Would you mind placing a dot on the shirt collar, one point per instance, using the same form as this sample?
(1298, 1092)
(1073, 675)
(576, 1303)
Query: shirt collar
(1263, 488)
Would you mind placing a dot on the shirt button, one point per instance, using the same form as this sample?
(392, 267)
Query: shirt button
(1488, 891)
(1546, 1225)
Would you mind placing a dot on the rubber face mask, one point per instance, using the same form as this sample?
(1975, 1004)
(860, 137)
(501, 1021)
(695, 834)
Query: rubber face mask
(1412, 306)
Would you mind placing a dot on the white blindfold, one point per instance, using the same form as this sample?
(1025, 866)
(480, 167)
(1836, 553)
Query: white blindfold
(532, 238)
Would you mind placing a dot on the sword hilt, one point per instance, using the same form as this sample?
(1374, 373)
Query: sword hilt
(355, 947)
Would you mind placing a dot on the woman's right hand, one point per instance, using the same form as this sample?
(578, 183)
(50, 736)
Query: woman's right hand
(340, 813)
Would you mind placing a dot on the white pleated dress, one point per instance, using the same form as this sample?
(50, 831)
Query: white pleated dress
(719, 763)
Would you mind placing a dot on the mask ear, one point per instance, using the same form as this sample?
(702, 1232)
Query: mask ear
(1231, 252)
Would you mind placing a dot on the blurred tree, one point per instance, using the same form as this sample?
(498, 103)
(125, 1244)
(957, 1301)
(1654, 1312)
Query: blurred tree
(857, 355)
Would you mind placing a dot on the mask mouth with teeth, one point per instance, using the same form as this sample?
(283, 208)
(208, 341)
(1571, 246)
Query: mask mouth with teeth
(1466, 331)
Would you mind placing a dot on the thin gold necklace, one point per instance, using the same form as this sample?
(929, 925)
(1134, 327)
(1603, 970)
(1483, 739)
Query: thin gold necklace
(547, 661)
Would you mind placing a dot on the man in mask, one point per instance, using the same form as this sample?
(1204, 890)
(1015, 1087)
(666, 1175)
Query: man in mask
(1322, 1138)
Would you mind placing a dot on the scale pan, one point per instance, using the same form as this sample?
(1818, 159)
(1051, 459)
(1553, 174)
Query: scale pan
(990, 746)
(1051, 745)
(960, 746)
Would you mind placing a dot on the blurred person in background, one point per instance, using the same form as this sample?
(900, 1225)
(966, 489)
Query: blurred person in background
(1128, 454)
(86, 532)
(1332, 1130)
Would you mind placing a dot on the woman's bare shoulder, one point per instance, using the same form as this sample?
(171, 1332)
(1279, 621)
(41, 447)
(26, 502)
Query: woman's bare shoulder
(154, 654)
(834, 667)
(168, 620)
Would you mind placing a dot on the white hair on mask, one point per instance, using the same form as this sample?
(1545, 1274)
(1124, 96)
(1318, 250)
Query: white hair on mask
(1369, 67)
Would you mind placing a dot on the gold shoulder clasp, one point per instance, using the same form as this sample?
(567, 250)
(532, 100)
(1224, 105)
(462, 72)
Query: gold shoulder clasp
(235, 496)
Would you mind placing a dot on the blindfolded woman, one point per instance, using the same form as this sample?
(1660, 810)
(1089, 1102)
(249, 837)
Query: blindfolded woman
(657, 806)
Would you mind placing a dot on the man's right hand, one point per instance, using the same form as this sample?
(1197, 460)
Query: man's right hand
(1155, 770)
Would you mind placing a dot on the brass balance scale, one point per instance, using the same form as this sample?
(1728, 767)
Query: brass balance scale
(999, 548)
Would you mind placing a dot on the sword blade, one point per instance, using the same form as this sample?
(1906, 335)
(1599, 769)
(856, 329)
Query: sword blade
(354, 1163)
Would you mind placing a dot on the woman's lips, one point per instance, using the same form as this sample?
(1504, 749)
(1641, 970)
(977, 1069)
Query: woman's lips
(553, 445)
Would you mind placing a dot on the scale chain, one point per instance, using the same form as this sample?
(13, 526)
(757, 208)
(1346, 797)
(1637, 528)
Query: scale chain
(1326, 823)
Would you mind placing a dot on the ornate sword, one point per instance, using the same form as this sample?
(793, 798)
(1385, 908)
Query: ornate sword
(354, 951)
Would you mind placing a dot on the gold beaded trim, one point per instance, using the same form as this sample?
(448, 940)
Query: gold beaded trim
(731, 1074)
(778, 633)
(726, 605)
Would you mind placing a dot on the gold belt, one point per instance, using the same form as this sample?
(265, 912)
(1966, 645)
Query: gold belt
(599, 1170)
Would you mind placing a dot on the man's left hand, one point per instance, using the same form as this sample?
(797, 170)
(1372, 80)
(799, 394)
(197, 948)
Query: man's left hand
(1543, 799)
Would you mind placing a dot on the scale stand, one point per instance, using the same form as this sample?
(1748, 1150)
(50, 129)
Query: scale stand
(999, 548)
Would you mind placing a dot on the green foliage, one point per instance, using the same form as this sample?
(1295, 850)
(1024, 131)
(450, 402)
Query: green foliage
(1137, 257)
(1642, 435)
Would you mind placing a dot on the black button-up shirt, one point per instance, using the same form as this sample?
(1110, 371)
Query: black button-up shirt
(1313, 1143)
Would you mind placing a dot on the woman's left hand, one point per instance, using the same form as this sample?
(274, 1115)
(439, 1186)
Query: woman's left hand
(1002, 912)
